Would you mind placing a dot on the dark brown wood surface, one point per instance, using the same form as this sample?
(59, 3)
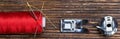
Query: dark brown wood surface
(93, 10)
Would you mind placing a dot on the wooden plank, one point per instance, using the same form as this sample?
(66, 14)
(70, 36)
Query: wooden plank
(93, 10)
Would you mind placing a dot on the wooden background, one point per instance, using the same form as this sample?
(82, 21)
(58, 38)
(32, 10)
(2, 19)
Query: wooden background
(93, 10)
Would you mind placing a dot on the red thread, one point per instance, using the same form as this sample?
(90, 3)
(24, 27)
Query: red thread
(20, 23)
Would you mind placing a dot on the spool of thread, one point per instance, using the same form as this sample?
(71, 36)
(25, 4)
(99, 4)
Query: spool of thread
(21, 22)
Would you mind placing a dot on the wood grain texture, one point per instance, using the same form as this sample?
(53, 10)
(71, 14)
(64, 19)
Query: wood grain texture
(93, 10)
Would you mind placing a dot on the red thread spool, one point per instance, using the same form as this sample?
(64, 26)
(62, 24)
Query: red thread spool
(20, 22)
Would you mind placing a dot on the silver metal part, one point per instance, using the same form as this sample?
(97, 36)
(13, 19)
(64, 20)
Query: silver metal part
(71, 25)
(108, 26)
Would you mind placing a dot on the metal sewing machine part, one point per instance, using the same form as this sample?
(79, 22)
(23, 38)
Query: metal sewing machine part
(73, 25)
(108, 26)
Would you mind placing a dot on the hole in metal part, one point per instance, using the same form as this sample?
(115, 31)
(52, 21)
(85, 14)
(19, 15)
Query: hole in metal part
(108, 25)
